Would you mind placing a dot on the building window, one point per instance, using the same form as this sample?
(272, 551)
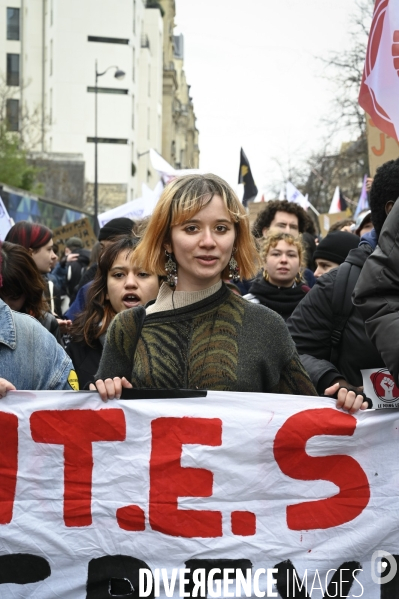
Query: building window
(13, 24)
(107, 140)
(148, 123)
(133, 110)
(134, 64)
(51, 57)
(108, 90)
(51, 106)
(134, 16)
(12, 69)
(107, 40)
(12, 112)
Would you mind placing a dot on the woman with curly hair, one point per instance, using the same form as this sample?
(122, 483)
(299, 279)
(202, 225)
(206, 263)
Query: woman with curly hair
(119, 284)
(280, 285)
(23, 286)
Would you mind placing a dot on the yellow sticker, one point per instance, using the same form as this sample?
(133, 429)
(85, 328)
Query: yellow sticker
(73, 380)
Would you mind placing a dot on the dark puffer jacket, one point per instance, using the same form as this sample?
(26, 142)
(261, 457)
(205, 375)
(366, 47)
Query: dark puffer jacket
(282, 300)
(376, 294)
(312, 324)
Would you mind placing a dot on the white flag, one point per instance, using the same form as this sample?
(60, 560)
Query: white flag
(294, 195)
(5, 221)
(335, 202)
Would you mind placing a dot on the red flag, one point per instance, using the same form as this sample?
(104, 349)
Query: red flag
(379, 91)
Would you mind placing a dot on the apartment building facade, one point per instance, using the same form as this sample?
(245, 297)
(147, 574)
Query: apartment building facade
(50, 51)
(180, 146)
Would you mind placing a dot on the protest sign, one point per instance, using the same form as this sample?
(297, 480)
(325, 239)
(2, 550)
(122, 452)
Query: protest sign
(379, 385)
(79, 228)
(326, 220)
(98, 499)
(381, 147)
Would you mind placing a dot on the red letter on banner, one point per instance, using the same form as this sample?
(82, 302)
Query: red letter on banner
(8, 464)
(342, 470)
(169, 481)
(77, 430)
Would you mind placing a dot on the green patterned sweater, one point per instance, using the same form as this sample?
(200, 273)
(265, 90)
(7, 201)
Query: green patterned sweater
(221, 343)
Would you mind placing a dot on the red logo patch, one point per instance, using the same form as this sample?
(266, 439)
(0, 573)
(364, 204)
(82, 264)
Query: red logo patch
(384, 386)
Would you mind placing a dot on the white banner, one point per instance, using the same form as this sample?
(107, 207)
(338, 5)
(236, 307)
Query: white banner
(135, 209)
(253, 488)
(5, 221)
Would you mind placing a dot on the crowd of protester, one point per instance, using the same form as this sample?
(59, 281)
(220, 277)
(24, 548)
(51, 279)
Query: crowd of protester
(195, 299)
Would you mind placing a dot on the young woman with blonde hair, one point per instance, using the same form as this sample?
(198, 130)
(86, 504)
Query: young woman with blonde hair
(280, 286)
(198, 334)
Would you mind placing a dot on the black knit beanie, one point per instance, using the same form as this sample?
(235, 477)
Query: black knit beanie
(116, 226)
(336, 246)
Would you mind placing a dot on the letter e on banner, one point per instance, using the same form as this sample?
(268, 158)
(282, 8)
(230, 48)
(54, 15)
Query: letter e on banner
(169, 481)
(77, 430)
(342, 470)
(8, 464)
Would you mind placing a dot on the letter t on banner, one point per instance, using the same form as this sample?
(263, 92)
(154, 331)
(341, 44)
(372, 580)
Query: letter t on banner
(77, 430)
(8, 464)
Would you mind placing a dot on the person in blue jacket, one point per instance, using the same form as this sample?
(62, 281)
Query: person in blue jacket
(30, 357)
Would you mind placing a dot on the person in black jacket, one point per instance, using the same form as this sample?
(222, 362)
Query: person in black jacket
(111, 231)
(280, 286)
(376, 293)
(75, 268)
(119, 284)
(333, 250)
(327, 329)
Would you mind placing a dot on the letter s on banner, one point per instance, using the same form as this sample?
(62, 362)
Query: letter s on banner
(169, 481)
(342, 470)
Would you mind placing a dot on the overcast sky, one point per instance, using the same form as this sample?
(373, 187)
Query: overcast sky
(255, 78)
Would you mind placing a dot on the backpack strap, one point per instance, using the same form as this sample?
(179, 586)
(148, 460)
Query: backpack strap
(341, 303)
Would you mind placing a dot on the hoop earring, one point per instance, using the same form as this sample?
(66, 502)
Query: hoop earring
(234, 269)
(171, 270)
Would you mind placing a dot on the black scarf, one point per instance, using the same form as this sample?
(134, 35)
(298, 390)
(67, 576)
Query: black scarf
(282, 300)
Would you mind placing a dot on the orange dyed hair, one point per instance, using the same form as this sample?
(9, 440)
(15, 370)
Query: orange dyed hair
(181, 199)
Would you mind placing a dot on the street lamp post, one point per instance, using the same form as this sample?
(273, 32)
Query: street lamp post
(118, 75)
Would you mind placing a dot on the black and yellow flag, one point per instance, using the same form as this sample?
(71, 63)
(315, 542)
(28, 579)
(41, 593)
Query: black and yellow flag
(245, 176)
